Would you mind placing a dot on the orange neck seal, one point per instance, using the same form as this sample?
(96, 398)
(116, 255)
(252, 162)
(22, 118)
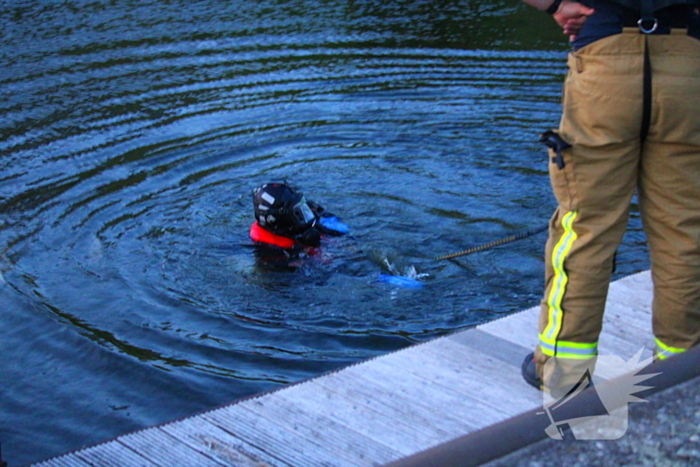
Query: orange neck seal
(262, 235)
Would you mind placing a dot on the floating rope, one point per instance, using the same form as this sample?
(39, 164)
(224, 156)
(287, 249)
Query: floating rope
(496, 243)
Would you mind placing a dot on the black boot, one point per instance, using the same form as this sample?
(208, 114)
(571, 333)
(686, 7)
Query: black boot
(529, 371)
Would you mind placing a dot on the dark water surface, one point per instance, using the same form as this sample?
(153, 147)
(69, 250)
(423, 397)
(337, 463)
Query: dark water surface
(133, 134)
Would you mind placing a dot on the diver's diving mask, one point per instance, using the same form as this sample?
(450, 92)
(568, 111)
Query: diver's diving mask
(302, 214)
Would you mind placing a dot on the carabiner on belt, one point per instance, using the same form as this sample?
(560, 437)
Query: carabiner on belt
(643, 28)
(646, 16)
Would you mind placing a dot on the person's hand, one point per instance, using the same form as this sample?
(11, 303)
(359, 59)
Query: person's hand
(571, 16)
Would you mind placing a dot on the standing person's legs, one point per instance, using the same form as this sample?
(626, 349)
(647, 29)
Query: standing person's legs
(601, 120)
(670, 191)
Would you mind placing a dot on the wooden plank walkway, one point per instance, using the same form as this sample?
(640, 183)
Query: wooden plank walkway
(376, 411)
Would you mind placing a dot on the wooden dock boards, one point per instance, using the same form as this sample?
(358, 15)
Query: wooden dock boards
(376, 411)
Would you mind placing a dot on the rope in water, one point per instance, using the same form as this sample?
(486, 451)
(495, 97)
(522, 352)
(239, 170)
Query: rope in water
(495, 243)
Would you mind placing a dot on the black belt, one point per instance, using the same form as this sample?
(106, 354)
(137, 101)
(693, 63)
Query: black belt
(673, 17)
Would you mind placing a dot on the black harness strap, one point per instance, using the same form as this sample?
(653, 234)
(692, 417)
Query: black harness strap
(647, 21)
(638, 5)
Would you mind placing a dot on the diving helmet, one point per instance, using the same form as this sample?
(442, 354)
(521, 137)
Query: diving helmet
(282, 210)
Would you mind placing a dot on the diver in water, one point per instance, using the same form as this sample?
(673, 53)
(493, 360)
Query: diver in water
(287, 226)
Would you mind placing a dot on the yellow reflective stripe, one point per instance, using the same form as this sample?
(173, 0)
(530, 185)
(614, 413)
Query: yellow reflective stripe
(565, 349)
(664, 351)
(556, 294)
(579, 345)
(571, 356)
(583, 348)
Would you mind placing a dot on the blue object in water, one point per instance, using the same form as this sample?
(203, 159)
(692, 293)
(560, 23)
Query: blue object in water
(401, 281)
(334, 224)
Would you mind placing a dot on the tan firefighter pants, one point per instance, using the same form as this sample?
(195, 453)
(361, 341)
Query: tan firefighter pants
(608, 161)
